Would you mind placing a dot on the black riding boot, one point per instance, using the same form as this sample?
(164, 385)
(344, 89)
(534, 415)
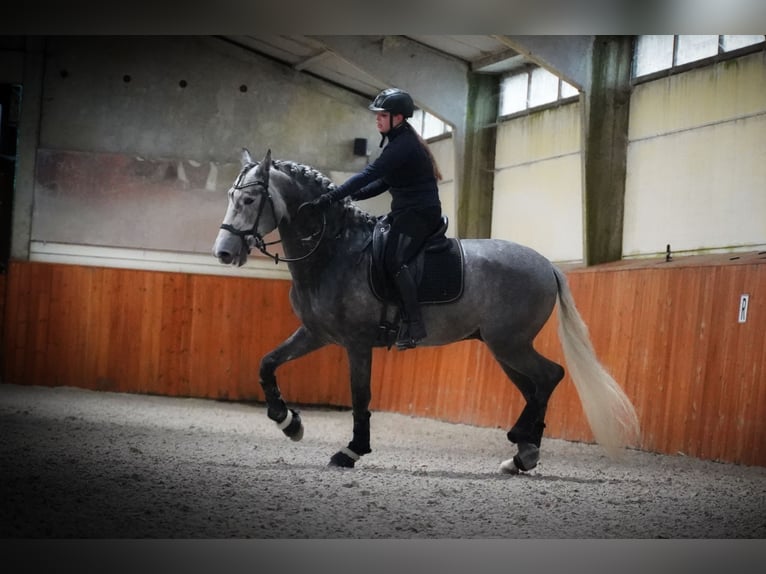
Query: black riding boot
(413, 329)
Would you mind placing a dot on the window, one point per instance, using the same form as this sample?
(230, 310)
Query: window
(428, 125)
(532, 88)
(659, 53)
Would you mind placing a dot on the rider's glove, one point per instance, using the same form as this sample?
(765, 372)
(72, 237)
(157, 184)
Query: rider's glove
(322, 201)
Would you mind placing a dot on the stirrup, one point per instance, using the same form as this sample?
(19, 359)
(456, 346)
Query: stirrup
(406, 343)
(405, 340)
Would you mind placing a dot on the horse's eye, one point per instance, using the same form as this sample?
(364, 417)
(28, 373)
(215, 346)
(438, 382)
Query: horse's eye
(248, 200)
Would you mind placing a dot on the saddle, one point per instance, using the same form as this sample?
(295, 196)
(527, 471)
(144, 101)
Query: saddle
(438, 269)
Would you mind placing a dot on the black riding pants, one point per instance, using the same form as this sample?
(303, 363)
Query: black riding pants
(409, 230)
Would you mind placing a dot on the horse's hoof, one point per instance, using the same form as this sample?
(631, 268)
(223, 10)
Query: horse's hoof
(341, 460)
(509, 467)
(527, 457)
(524, 461)
(344, 458)
(297, 435)
(292, 426)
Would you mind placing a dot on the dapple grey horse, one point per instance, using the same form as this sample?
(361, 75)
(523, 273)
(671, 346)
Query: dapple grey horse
(508, 295)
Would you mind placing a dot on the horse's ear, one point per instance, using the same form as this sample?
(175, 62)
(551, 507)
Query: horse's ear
(264, 168)
(246, 159)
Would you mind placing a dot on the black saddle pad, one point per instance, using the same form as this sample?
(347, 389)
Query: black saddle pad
(442, 276)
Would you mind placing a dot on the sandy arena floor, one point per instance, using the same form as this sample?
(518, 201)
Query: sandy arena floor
(83, 464)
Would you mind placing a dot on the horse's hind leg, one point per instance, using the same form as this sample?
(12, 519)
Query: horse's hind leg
(300, 343)
(536, 377)
(360, 363)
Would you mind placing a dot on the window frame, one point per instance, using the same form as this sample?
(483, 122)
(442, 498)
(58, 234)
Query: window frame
(674, 68)
(560, 100)
(424, 114)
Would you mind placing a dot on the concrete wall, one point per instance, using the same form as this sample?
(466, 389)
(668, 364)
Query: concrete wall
(697, 161)
(538, 183)
(140, 137)
(696, 168)
(131, 165)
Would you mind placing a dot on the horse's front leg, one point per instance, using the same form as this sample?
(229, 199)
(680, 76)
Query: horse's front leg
(300, 343)
(360, 363)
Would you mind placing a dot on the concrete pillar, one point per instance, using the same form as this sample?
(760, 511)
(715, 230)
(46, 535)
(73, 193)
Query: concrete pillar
(29, 135)
(605, 108)
(476, 180)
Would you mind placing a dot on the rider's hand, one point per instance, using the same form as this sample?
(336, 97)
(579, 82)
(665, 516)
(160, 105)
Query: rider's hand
(322, 201)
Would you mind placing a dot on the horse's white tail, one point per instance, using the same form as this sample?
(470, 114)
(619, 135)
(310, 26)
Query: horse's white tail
(610, 413)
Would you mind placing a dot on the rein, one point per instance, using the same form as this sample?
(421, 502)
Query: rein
(258, 241)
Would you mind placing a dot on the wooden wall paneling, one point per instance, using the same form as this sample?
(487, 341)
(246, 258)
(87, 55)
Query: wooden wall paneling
(120, 353)
(41, 282)
(419, 382)
(128, 353)
(175, 334)
(709, 436)
(226, 337)
(669, 335)
(753, 398)
(69, 308)
(736, 380)
(3, 292)
(17, 288)
(205, 359)
(697, 292)
(150, 331)
(99, 320)
(688, 344)
(21, 331)
(647, 356)
(39, 335)
(234, 325)
(739, 384)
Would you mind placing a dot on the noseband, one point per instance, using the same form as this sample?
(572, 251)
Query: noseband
(258, 240)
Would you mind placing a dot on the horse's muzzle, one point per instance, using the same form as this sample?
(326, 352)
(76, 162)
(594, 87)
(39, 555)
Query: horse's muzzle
(230, 249)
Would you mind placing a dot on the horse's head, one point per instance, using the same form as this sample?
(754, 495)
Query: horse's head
(253, 212)
(268, 195)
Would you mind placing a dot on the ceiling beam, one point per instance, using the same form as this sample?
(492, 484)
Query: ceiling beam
(306, 62)
(491, 60)
(569, 57)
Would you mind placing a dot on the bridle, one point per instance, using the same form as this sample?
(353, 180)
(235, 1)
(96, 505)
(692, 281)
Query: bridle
(258, 241)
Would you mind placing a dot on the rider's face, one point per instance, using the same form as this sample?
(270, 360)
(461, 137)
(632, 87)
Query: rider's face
(383, 123)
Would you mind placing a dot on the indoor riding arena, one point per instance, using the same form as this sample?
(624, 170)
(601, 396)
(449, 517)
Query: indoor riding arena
(131, 403)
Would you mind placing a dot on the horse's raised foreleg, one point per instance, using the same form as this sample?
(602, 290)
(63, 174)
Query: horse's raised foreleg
(360, 363)
(536, 383)
(300, 343)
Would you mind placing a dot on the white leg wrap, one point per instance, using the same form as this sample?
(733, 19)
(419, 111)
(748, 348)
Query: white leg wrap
(350, 453)
(286, 423)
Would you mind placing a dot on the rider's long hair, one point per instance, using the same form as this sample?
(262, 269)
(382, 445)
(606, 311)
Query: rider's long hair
(437, 171)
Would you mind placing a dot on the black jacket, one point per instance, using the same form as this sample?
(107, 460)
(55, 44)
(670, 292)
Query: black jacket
(404, 168)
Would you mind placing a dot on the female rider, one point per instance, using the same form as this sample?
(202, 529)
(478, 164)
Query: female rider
(406, 168)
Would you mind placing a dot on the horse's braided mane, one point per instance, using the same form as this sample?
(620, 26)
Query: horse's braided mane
(304, 173)
(311, 176)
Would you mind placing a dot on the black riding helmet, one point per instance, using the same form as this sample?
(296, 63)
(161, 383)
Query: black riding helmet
(394, 101)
